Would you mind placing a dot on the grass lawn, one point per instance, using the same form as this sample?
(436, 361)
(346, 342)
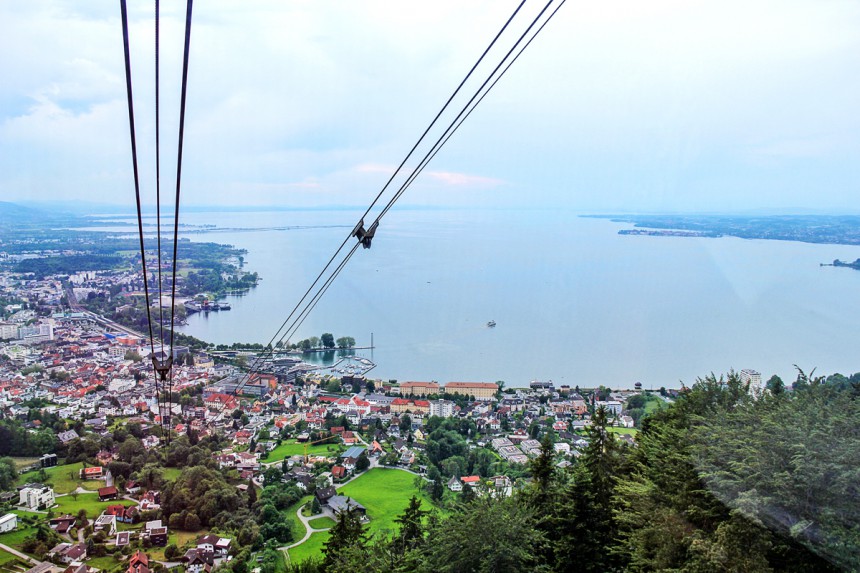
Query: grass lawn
(15, 538)
(64, 479)
(170, 474)
(7, 561)
(310, 548)
(296, 526)
(92, 484)
(22, 463)
(654, 403)
(180, 538)
(630, 431)
(103, 563)
(293, 448)
(385, 494)
(88, 501)
(321, 522)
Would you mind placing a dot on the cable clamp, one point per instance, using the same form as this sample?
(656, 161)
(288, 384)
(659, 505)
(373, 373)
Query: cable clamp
(162, 367)
(365, 236)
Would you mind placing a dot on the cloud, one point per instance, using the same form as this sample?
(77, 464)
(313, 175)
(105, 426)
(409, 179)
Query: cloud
(463, 180)
(645, 105)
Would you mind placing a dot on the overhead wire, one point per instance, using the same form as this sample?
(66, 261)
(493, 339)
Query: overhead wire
(182, 100)
(130, 98)
(464, 114)
(163, 369)
(158, 211)
(393, 176)
(470, 106)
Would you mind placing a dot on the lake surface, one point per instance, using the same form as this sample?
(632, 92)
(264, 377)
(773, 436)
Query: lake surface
(574, 302)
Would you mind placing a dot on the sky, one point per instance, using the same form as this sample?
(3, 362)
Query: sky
(621, 106)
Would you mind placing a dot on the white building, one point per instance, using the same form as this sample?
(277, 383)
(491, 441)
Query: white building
(753, 378)
(613, 407)
(8, 522)
(8, 330)
(37, 496)
(120, 385)
(442, 408)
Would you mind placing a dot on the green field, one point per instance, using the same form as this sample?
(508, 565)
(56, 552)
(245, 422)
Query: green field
(105, 563)
(22, 463)
(11, 564)
(654, 403)
(64, 479)
(385, 494)
(630, 431)
(310, 548)
(321, 523)
(289, 514)
(88, 501)
(170, 474)
(15, 538)
(293, 448)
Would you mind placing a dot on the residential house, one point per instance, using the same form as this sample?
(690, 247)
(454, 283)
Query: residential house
(220, 546)
(138, 563)
(339, 503)
(123, 538)
(198, 560)
(108, 493)
(63, 523)
(106, 523)
(454, 484)
(8, 522)
(93, 472)
(36, 496)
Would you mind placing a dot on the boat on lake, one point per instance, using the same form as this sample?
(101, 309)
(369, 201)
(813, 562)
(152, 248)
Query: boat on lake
(491, 324)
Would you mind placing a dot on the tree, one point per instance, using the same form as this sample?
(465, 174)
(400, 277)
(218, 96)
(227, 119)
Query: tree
(8, 473)
(192, 522)
(775, 385)
(502, 537)
(345, 342)
(543, 468)
(362, 463)
(405, 423)
(411, 531)
(347, 534)
(327, 340)
(316, 508)
(314, 341)
(133, 356)
(252, 493)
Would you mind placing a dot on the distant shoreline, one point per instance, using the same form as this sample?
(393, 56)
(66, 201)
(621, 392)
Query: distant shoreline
(817, 229)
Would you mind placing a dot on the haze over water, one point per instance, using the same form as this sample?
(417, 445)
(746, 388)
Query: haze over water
(574, 302)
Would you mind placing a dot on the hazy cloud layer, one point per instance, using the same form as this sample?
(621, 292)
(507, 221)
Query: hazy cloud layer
(622, 105)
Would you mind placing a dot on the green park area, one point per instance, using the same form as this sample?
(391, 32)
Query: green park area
(311, 548)
(289, 448)
(73, 503)
(628, 431)
(64, 479)
(321, 523)
(384, 493)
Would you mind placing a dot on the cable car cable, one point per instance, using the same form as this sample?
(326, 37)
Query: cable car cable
(134, 166)
(400, 167)
(474, 101)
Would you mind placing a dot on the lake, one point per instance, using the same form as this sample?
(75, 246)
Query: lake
(573, 301)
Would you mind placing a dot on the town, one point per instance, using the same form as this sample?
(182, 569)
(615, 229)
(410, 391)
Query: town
(99, 443)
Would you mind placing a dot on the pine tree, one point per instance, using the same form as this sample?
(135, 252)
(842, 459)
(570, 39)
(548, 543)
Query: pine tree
(411, 530)
(252, 493)
(347, 536)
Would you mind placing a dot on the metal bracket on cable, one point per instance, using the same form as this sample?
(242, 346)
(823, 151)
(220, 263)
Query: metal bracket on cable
(365, 236)
(162, 367)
